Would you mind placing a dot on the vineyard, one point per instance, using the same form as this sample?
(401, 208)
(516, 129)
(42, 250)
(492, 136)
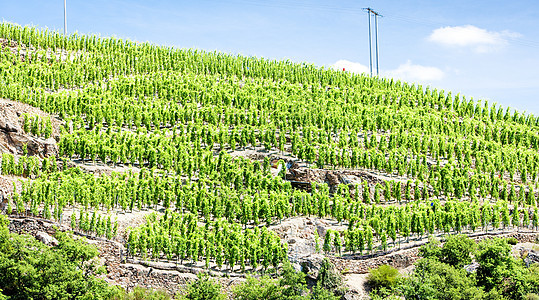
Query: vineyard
(179, 120)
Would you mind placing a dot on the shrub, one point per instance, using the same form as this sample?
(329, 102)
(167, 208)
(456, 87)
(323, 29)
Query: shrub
(433, 279)
(264, 288)
(140, 293)
(495, 262)
(320, 293)
(531, 296)
(431, 249)
(328, 277)
(293, 283)
(457, 250)
(512, 241)
(383, 276)
(204, 288)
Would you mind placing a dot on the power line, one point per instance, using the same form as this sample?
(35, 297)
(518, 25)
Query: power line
(353, 10)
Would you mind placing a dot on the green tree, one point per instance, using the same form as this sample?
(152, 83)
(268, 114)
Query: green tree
(457, 250)
(433, 279)
(327, 241)
(293, 283)
(495, 262)
(31, 270)
(328, 277)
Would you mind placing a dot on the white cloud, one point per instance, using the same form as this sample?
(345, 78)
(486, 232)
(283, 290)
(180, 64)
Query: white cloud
(350, 66)
(407, 71)
(411, 72)
(480, 40)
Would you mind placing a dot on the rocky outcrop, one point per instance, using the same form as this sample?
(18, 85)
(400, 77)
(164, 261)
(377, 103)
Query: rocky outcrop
(311, 264)
(532, 258)
(46, 239)
(303, 177)
(13, 137)
(32, 226)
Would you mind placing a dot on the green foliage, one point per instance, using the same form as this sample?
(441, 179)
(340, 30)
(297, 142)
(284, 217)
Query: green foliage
(4, 231)
(320, 293)
(293, 283)
(512, 241)
(432, 249)
(204, 288)
(263, 288)
(433, 279)
(31, 270)
(383, 276)
(457, 250)
(140, 293)
(328, 277)
(495, 262)
(75, 250)
(499, 275)
(291, 286)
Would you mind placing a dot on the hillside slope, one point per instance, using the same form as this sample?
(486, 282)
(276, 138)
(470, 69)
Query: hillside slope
(220, 149)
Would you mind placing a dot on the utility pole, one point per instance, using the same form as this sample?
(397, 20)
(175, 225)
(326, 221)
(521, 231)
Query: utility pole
(370, 40)
(65, 18)
(376, 15)
(376, 35)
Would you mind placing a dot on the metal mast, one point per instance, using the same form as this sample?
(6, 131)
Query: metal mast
(376, 37)
(376, 15)
(370, 40)
(65, 18)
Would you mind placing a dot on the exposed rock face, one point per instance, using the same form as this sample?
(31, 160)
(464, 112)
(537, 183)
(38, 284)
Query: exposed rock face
(9, 121)
(311, 264)
(303, 177)
(46, 239)
(3, 200)
(12, 136)
(533, 258)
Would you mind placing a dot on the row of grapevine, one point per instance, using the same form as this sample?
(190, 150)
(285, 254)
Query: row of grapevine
(27, 166)
(178, 237)
(95, 224)
(37, 126)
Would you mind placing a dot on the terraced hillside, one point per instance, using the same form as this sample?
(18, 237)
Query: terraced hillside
(217, 150)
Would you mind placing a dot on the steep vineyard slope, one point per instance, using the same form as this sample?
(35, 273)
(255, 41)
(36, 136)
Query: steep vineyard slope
(217, 150)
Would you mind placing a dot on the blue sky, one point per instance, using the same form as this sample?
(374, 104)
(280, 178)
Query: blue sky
(482, 49)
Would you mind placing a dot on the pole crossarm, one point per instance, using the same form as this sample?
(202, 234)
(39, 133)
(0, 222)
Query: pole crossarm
(368, 9)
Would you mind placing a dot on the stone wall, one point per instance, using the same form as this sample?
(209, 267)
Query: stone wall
(400, 259)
